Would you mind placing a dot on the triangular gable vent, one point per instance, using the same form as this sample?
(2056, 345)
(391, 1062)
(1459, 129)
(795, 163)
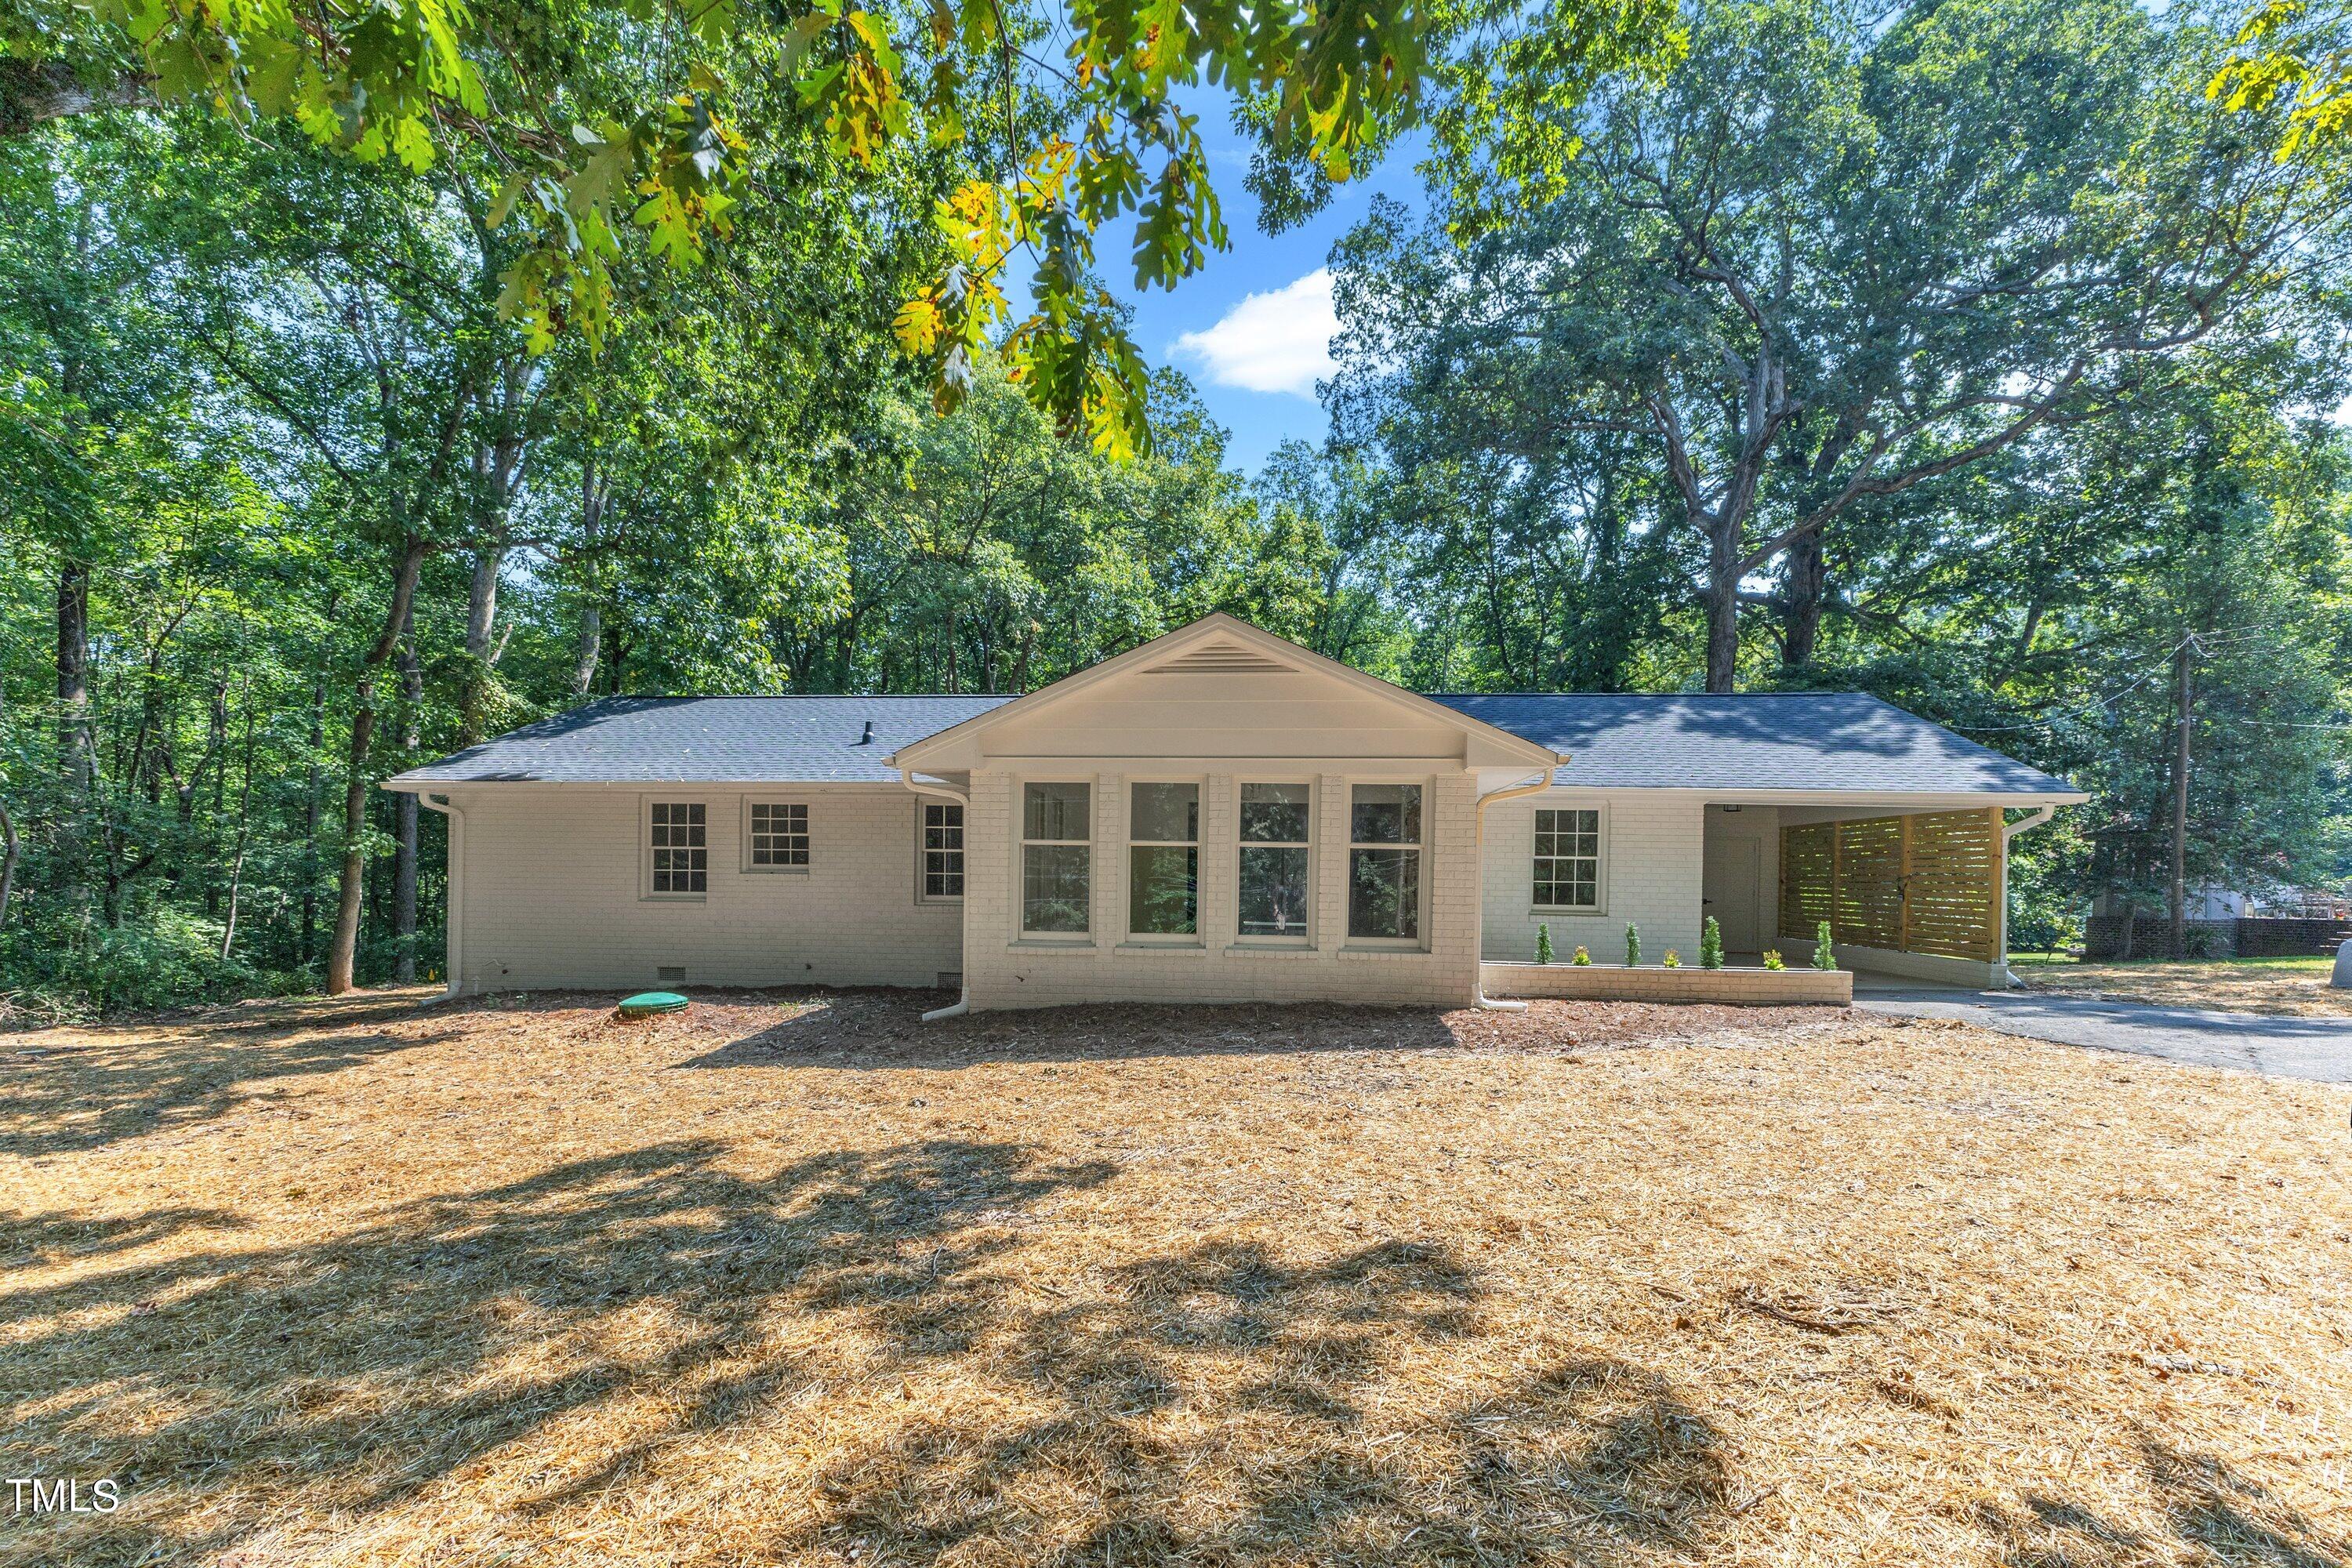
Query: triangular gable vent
(1221, 658)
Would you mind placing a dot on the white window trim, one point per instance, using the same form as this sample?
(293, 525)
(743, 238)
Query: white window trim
(1196, 937)
(1021, 842)
(923, 803)
(1347, 860)
(645, 805)
(745, 855)
(1314, 866)
(1601, 874)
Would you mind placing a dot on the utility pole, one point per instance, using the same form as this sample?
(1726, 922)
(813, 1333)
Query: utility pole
(2184, 719)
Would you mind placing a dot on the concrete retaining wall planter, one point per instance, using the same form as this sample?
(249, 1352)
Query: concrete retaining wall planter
(1652, 982)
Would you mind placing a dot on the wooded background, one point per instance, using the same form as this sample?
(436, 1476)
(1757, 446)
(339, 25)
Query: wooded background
(1974, 355)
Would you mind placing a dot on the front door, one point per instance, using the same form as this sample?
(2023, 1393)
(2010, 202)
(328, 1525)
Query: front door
(1729, 883)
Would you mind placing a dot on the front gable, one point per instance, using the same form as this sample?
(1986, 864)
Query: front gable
(1223, 691)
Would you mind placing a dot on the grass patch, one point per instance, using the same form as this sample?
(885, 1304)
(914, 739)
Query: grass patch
(783, 1280)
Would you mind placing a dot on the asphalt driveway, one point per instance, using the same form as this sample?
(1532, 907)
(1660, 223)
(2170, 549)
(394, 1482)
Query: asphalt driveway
(2315, 1048)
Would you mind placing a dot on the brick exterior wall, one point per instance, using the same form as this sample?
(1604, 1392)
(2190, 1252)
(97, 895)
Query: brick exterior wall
(552, 894)
(1653, 863)
(1003, 971)
(1741, 987)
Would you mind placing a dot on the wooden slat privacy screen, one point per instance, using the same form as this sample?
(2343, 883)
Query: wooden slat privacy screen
(1929, 883)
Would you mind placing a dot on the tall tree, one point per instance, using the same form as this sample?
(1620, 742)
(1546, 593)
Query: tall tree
(1836, 254)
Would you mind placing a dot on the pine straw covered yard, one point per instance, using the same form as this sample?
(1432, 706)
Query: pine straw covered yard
(799, 1282)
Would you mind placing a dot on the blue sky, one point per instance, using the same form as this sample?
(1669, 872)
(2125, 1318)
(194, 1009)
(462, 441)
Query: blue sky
(1250, 329)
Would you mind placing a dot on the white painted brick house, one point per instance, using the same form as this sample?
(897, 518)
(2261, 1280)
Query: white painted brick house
(1216, 815)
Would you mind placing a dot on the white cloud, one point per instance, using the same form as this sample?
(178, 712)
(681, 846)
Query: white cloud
(1278, 342)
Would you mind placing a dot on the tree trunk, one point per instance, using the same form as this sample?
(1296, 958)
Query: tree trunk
(216, 750)
(594, 491)
(343, 956)
(1722, 606)
(2183, 722)
(312, 810)
(1808, 571)
(404, 862)
(76, 755)
(481, 652)
(8, 861)
(244, 824)
(592, 639)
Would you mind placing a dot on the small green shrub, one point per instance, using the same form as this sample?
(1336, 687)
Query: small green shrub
(1772, 959)
(1632, 944)
(1673, 960)
(1824, 954)
(1543, 944)
(1581, 959)
(1710, 945)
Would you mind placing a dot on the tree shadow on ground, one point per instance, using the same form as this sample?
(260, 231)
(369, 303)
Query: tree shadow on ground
(610, 1308)
(2213, 1514)
(103, 1085)
(885, 1029)
(359, 1370)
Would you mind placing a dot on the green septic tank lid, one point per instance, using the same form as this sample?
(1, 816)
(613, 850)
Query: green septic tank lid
(646, 1002)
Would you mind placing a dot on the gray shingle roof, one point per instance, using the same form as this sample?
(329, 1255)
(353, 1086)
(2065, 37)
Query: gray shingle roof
(1761, 741)
(707, 739)
(1812, 741)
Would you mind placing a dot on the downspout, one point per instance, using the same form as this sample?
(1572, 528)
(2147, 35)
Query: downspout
(2008, 830)
(1478, 991)
(963, 797)
(452, 927)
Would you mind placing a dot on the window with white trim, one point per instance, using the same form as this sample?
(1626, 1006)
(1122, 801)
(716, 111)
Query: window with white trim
(1056, 859)
(1163, 883)
(942, 849)
(1568, 859)
(681, 847)
(1276, 860)
(1384, 850)
(780, 836)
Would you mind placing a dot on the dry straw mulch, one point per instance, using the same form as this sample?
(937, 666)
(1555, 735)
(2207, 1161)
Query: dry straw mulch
(783, 1280)
(2302, 990)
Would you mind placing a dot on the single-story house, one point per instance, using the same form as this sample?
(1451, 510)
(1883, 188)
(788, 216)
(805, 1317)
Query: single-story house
(1216, 815)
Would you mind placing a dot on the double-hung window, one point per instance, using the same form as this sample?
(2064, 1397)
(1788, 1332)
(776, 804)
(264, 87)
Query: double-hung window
(1163, 883)
(678, 837)
(1056, 859)
(1384, 850)
(942, 849)
(1568, 859)
(779, 837)
(1276, 854)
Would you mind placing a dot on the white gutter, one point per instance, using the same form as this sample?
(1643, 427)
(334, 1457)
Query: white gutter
(963, 797)
(452, 926)
(1478, 988)
(2008, 830)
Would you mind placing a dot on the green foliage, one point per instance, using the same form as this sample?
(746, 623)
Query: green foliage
(1710, 945)
(2296, 55)
(1673, 960)
(1773, 960)
(1824, 951)
(1632, 944)
(1580, 958)
(1543, 943)
(589, 155)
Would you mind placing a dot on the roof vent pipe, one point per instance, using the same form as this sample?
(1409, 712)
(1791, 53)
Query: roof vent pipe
(868, 738)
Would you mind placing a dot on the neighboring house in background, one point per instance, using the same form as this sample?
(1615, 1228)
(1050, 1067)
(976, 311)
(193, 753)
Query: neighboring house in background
(1217, 815)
